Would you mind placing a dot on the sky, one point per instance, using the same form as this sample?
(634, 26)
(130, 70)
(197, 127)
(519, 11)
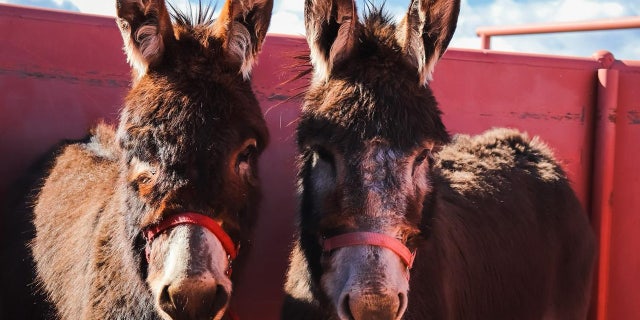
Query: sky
(624, 44)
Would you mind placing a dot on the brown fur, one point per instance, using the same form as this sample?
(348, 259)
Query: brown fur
(498, 231)
(181, 145)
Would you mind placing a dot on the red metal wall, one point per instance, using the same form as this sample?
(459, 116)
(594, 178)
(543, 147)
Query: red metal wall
(60, 72)
(616, 190)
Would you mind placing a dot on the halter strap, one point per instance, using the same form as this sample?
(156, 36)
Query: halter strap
(198, 219)
(372, 239)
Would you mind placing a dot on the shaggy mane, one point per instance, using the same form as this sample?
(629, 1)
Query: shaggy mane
(202, 15)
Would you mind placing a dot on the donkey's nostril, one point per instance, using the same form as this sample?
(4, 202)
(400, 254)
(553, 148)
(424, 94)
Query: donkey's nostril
(221, 299)
(166, 303)
(344, 311)
(404, 302)
(193, 299)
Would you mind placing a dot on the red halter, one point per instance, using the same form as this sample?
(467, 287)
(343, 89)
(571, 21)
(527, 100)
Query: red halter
(197, 219)
(372, 239)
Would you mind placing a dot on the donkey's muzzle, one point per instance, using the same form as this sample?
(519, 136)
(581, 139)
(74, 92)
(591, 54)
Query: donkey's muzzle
(194, 299)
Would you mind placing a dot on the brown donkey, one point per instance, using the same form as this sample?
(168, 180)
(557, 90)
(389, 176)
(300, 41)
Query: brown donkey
(397, 220)
(144, 220)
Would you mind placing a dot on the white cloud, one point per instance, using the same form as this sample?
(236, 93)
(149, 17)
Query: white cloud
(286, 22)
(100, 7)
(289, 5)
(514, 13)
(575, 10)
(287, 18)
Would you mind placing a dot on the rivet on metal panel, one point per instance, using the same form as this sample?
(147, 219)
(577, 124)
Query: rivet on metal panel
(604, 58)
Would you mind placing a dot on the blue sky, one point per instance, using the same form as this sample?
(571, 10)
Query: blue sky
(624, 44)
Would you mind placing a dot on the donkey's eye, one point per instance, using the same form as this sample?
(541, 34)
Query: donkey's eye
(143, 183)
(424, 155)
(246, 158)
(144, 179)
(323, 154)
(247, 154)
(141, 172)
(420, 159)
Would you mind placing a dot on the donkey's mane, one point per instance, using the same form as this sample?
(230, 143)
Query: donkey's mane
(378, 25)
(202, 15)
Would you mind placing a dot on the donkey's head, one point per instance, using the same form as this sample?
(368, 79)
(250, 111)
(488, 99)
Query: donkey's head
(368, 126)
(190, 133)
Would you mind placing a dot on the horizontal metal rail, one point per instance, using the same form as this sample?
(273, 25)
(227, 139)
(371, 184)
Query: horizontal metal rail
(485, 33)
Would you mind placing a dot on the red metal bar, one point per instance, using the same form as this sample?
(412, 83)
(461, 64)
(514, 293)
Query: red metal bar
(624, 256)
(485, 41)
(485, 33)
(603, 174)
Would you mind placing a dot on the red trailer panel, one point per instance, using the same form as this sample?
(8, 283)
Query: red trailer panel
(619, 219)
(59, 72)
(551, 97)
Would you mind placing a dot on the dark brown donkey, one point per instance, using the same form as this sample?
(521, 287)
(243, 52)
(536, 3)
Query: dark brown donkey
(144, 220)
(486, 228)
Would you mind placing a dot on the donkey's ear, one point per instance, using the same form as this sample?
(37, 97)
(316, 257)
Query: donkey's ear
(425, 32)
(332, 33)
(146, 29)
(242, 27)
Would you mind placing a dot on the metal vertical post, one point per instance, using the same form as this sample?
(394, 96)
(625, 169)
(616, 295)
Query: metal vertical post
(603, 173)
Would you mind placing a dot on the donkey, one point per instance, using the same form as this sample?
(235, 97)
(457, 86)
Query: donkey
(398, 220)
(144, 220)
